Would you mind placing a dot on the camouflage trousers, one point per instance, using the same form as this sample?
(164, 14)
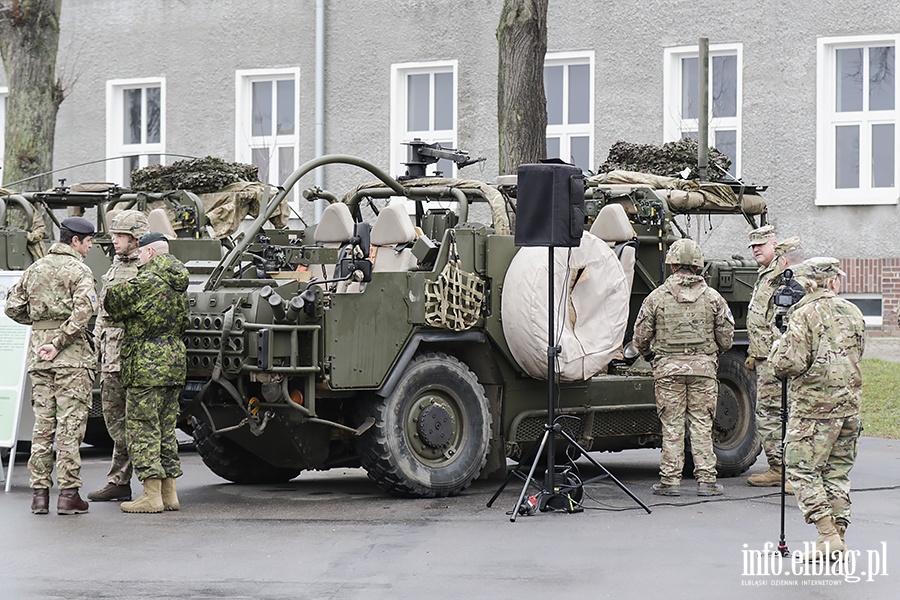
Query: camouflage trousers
(768, 411)
(150, 417)
(61, 399)
(112, 395)
(693, 396)
(818, 455)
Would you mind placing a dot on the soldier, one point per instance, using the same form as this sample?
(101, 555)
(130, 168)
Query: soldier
(125, 228)
(773, 258)
(154, 308)
(682, 327)
(820, 351)
(57, 297)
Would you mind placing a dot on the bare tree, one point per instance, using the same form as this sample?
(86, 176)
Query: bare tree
(521, 102)
(29, 38)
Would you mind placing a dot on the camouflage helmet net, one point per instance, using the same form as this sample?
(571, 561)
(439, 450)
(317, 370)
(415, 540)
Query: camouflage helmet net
(685, 252)
(130, 222)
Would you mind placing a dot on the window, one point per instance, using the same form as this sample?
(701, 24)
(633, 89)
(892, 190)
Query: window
(569, 87)
(423, 105)
(3, 94)
(135, 126)
(681, 102)
(267, 112)
(857, 141)
(870, 305)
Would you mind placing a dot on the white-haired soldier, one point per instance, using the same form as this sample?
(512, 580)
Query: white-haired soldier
(683, 325)
(820, 352)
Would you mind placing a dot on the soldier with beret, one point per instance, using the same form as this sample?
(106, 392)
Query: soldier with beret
(57, 297)
(820, 352)
(153, 307)
(126, 228)
(772, 258)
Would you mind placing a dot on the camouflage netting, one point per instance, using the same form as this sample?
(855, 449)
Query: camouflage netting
(668, 159)
(200, 175)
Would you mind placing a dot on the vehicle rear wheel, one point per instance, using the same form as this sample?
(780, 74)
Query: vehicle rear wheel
(229, 461)
(735, 438)
(432, 434)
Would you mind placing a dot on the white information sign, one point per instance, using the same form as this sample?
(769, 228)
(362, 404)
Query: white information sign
(14, 340)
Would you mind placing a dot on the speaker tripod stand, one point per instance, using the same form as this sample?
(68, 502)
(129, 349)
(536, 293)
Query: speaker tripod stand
(553, 496)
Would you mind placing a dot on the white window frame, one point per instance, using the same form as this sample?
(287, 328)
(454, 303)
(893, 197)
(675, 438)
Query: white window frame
(674, 125)
(399, 131)
(115, 126)
(244, 141)
(871, 320)
(826, 119)
(565, 131)
(4, 98)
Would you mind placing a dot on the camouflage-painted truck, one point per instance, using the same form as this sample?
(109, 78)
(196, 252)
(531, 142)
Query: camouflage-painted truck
(383, 345)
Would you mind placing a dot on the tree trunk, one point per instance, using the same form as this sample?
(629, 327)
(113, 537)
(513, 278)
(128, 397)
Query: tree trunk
(29, 38)
(521, 103)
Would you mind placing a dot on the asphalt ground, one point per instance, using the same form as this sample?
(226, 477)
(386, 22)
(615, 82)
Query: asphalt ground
(335, 535)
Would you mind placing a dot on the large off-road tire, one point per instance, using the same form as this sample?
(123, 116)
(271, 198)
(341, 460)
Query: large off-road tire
(432, 434)
(229, 461)
(735, 438)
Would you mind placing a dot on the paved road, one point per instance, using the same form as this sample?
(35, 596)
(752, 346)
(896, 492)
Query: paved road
(334, 535)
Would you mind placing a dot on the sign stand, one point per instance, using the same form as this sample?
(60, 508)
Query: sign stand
(14, 339)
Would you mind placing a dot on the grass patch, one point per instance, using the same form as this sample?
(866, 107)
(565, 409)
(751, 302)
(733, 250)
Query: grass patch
(881, 398)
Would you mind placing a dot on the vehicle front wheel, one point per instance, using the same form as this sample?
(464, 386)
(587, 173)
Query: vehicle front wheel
(735, 438)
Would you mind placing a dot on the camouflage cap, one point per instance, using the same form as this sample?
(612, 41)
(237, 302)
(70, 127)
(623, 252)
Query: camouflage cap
(787, 246)
(762, 235)
(821, 268)
(78, 225)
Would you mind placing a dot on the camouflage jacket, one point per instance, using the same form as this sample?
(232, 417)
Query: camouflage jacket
(820, 351)
(108, 332)
(761, 311)
(695, 319)
(57, 297)
(154, 308)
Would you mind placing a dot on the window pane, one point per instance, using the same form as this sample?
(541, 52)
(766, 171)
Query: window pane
(883, 155)
(724, 82)
(881, 78)
(553, 89)
(285, 166)
(726, 143)
(870, 307)
(690, 135)
(849, 65)
(260, 159)
(579, 94)
(443, 100)
(689, 88)
(262, 108)
(552, 147)
(581, 153)
(132, 116)
(846, 155)
(131, 163)
(153, 159)
(285, 109)
(153, 112)
(418, 101)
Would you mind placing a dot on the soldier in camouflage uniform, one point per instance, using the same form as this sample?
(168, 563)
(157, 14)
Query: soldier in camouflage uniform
(57, 297)
(154, 308)
(682, 327)
(773, 258)
(820, 353)
(126, 228)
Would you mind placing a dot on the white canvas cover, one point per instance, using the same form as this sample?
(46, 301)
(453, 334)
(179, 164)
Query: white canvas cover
(591, 325)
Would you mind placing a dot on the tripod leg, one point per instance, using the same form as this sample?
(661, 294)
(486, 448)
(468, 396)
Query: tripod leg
(529, 479)
(782, 544)
(503, 485)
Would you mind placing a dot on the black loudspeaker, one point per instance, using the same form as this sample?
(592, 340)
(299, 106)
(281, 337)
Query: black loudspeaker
(549, 205)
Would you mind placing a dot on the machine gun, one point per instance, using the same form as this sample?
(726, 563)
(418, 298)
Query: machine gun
(420, 155)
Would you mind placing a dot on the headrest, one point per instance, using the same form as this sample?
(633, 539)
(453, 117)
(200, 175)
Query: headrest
(612, 225)
(393, 226)
(336, 225)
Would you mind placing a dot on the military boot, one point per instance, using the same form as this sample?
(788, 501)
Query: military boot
(709, 488)
(841, 526)
(829, 545)
(40, 501)
(148, 502)
(771, 478)
(169, 497)
(111, 493)
(666, 489)
(70, 503)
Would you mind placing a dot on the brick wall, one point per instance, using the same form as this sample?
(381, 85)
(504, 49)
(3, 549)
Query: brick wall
(876, 276)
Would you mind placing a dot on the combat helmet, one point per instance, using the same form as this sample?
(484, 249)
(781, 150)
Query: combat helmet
(685, 252)
(130, 222)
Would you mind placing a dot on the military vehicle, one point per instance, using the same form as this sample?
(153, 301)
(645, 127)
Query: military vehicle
(386, 346)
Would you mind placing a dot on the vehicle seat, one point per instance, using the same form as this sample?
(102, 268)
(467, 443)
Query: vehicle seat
(613, 227)
(392, 237)
(159, 221)
(110, 215)
(334, 230)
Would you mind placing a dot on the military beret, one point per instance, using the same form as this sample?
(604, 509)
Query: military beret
(78, 225)
(787, 246)
(149, 238)
(762, 235)
(823, 268)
